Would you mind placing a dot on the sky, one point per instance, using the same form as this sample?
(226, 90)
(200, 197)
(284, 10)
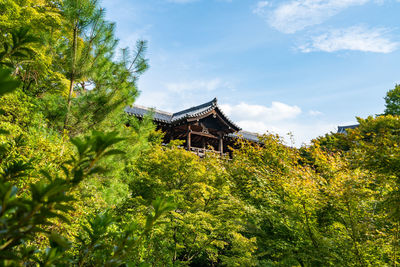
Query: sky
(284, 66)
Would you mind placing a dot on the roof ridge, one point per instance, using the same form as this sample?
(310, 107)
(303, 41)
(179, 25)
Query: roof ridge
(347, 126)
(241, 131)
(153, 109)
(211, 103)
(198, 110)
(227, 118)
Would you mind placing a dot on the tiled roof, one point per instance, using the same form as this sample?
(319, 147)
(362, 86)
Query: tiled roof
(195, 111)
(342, 129)
(139, 111)
(246, 135)
(166, 117)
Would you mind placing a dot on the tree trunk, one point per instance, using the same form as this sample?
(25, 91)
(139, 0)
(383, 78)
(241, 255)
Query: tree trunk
(72, 76)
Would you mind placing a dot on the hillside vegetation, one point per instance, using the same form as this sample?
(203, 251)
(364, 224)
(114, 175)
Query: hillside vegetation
(80, 188)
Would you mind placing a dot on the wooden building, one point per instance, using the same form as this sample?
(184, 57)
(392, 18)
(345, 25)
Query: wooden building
(203, 128)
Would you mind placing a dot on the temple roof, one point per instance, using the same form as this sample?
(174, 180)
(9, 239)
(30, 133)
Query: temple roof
(195, 111)
(246, 135)
(172, 118)
(140, 111)
(342, 129)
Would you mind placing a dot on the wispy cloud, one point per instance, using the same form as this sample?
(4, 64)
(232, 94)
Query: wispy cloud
(173, 96)
(191, 1)
(131, 37)
(314, 113)
(208, 85)
(292, 16)
(182, 1)
(357, 38)
(260, 8)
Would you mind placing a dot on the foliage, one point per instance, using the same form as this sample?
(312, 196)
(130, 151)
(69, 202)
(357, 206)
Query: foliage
(24, 216)
(392, 101)
(206, 225)
(29, 35)
(91, 47)
(7, 84)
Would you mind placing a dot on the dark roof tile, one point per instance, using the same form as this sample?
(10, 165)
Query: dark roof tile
(246, 135)
(342, 129)
(195, 111)
(140, 111)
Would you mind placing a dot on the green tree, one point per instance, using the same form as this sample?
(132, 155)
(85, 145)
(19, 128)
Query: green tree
(89, 61)
(206, 226)
(30, 30)
(392, 101)
(282, 198)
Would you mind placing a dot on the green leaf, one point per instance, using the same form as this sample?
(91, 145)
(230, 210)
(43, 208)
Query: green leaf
(57, 241)
(7, 83)
(114, 152)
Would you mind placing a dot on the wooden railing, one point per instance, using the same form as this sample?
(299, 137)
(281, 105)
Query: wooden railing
(201, 152)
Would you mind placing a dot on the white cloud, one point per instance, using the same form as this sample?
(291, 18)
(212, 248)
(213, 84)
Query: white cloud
(208, 85)
(357, 38)
(182, 1)
(314, 113)
(278, 111)
(260, 8)
(294, 133)
(296, 15)
(279, 118)
(191, 1)
(175, 96)
(131, 37)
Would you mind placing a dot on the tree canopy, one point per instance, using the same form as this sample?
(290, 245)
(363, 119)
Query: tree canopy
(392, 101)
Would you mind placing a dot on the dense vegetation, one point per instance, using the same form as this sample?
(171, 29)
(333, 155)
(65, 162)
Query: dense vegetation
(80, 188)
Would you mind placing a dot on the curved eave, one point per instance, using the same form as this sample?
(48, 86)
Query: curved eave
(206, 112)
(249, 136)
(231, 123)
(140, 116)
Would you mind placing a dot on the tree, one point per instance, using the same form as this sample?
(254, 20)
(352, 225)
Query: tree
(30, 30)
(374, 150)
(85, 28)
(392, 101)
(206, 227)
(35, 211)
(282, 198)
(89, 61)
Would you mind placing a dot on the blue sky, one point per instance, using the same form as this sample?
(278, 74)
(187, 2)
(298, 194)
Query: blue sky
(299, 66)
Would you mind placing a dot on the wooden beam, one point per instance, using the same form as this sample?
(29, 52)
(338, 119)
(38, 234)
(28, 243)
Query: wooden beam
(200, 117)
(205, 135)
(221, 144)
(216, 115)
(189, 135)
